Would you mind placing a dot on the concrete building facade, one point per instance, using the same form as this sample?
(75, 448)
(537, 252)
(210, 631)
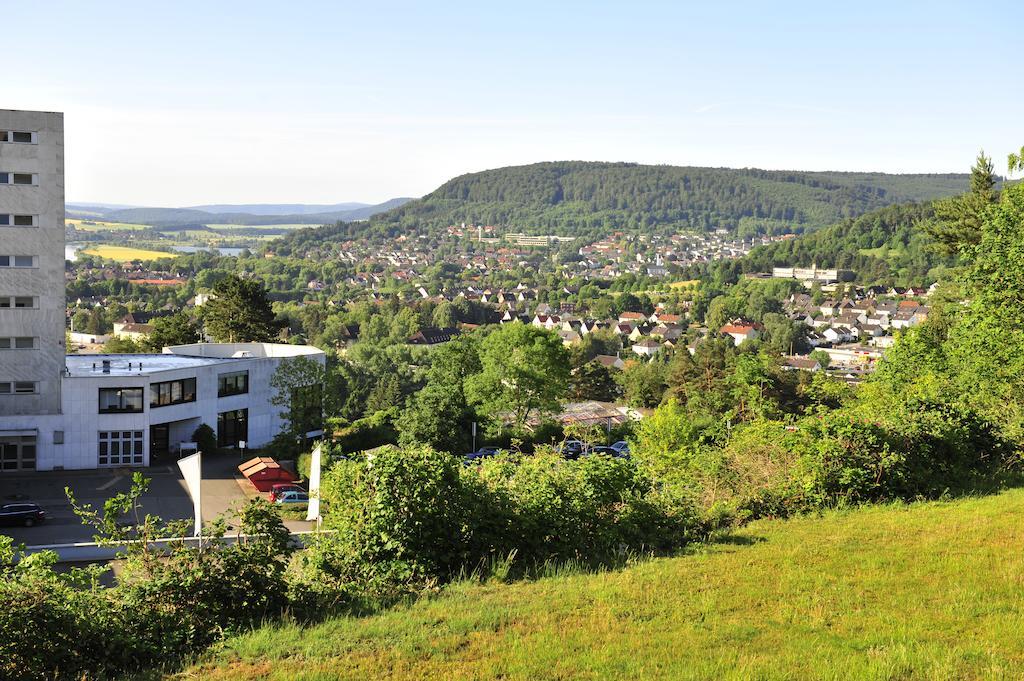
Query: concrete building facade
(31, 261)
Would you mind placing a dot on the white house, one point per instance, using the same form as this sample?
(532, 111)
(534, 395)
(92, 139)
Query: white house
(135, 410)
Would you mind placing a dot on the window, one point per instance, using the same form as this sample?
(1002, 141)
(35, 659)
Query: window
(19, 178)
(18, 137)
(172, 392)
(17, 343)
(120, 448)
(17, 302)
(120, 400)
(58, 437)
(235, 383)
(232, 427)
(18, 387)
(17, 260)
(26, 387)
(8, 220)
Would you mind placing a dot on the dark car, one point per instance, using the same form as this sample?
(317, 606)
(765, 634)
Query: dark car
(22, 514)
(482, 453)
(601, 449)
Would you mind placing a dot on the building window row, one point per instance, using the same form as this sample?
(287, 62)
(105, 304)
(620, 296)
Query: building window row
(19, 178)
(18, 260)
(13, 220)
(120, 448)
(234, 383)
(172, 392)
(19, 136)
(232, 427)
(120, 400)
(17, 343)
(26, 302)
(19, 388)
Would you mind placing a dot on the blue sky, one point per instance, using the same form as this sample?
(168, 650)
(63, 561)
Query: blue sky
(199, 102)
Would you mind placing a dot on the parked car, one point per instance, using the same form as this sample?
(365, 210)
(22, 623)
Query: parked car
(482, 453)
(279, 488)
(24, 513)
(601, 449)
(572, 449)
(622, 447)
(292, 497)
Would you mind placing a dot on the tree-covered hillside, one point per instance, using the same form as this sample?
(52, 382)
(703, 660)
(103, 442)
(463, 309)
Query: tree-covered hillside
(590, 199)
(885, 246)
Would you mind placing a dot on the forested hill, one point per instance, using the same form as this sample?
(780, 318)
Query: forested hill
(590, 199)
(886, 246)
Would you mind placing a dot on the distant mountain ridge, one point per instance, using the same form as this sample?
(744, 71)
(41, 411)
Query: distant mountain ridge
(242, 214)
(592, 199)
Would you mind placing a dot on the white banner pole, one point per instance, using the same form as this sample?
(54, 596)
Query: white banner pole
(192, 470)
(313, 510)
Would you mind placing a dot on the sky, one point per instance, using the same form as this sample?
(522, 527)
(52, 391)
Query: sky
(185, 103)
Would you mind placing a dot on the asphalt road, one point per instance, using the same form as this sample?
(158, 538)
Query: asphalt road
(223, 490)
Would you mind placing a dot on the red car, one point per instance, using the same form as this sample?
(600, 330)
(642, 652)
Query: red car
(280, 488)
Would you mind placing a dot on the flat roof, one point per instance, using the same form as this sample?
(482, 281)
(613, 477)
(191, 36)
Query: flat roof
(135, 365)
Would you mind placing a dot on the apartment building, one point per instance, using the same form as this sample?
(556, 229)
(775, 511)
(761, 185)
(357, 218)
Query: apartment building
(31, 261)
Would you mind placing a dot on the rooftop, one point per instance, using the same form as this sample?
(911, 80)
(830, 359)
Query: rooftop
(133, 365)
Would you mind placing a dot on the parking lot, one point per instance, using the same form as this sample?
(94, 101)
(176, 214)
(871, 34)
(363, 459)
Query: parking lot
(223, 489)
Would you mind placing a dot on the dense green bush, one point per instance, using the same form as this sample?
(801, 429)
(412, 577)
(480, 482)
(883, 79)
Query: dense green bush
(65, 626)
(407, 518)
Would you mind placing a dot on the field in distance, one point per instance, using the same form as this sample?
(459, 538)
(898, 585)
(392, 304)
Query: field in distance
(126, 253)
(921, 591)
(97, 225)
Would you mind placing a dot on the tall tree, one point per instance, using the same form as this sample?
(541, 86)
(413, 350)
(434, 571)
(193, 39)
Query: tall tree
(524, 371)
(240, 312)
(958, 221)
(175, 329)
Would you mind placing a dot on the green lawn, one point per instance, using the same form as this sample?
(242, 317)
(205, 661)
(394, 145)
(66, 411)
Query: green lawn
(927, 591)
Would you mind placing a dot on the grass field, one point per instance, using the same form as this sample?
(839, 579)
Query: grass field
(125, 253)
(926, 591)
(97, 225)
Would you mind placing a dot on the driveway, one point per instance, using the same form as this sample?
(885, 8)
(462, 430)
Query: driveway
(223, 490)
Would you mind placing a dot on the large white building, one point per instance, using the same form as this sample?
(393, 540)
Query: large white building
(62, 412)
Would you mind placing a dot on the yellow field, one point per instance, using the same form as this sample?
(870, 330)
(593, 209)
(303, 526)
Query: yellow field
(693, 283)
(97, 225)
(125, 253)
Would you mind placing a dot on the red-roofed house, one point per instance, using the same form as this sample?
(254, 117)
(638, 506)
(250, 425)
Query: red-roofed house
(741, 332)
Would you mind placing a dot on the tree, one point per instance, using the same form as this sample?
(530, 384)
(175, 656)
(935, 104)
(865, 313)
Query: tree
(593, 381)
(175, 329)
(298, 389)
(783, 335)
(440, 415)
(444, 316)
(240, 313)
(958, 220)
(643, 383)
(121, 345)
(524, 372)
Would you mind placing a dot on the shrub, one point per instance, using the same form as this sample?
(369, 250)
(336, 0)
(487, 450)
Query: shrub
(205, 438)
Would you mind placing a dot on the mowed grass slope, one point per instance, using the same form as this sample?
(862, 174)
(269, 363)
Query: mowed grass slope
(926, 591)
